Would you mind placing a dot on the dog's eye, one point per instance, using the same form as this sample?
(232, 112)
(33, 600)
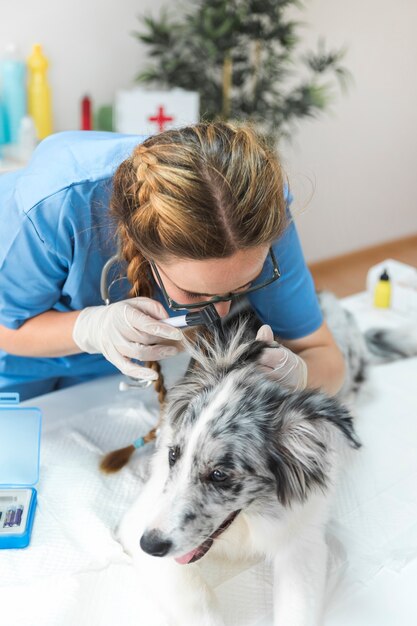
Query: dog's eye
(172, 456)
(218, 476)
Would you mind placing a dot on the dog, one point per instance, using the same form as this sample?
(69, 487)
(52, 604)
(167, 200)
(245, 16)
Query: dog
(244, 468)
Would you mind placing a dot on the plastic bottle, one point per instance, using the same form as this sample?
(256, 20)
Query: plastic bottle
(13, 76)
(382, 293)
(40, 108)
(27, 138)
(86, 121)
(4, 134)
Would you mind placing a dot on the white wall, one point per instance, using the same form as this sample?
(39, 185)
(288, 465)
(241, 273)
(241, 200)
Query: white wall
(360, 162)
(360, 159)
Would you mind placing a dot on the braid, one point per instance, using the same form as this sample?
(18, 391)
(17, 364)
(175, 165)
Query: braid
(144, 162)
(138, 272)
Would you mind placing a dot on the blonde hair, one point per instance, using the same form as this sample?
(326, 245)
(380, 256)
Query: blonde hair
(199, 192)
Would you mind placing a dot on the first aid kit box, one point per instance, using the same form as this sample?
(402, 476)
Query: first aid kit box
(20, 431)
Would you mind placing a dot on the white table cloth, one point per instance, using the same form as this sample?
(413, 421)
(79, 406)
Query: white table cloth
(75, 573)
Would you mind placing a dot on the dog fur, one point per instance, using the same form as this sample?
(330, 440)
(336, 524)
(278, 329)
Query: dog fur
(237, 448)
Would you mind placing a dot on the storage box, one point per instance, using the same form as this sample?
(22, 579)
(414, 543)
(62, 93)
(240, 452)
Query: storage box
(20, 430)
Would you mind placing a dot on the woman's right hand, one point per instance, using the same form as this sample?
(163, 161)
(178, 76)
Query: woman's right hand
(130, 329)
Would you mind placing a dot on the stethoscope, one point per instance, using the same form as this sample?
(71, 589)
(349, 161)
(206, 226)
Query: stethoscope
(207, 316)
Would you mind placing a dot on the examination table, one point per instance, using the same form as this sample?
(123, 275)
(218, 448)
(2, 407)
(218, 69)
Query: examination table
(76, 573)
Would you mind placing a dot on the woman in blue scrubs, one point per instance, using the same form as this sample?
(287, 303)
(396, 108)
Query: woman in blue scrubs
(196, 213)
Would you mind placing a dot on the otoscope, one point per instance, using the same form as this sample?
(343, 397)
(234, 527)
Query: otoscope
(207, 316)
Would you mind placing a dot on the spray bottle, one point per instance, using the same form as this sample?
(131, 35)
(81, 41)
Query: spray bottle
(40, 108)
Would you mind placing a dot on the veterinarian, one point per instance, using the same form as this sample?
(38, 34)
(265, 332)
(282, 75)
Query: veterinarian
(198, 214)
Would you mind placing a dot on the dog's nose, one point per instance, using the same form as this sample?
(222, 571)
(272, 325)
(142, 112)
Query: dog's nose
(154, 543)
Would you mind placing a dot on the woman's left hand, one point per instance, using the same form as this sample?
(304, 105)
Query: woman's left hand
(280, 363)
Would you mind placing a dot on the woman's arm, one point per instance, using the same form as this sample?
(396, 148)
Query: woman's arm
(324, 360)
(123, 332)
(46, 335)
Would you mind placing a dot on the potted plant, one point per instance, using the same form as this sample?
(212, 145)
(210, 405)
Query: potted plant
(241, 56)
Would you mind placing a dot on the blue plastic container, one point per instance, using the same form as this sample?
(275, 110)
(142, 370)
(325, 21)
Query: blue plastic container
(4, 128)
(20, 431)
(13, 90)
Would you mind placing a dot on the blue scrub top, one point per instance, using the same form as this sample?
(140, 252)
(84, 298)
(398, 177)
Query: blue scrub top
(56, 235)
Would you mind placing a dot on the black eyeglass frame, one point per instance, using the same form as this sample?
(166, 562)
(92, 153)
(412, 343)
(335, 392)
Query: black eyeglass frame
(176, 306)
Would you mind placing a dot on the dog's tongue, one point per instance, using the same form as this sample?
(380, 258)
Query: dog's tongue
(186, 558)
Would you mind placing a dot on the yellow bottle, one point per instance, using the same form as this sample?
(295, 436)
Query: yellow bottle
(39, 93)
(382, 294)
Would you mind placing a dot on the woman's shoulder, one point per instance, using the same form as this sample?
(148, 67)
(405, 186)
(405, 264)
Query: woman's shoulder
(66, 159)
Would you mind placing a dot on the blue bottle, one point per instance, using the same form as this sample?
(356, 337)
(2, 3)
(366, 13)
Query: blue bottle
(4, 128)
(13, 92)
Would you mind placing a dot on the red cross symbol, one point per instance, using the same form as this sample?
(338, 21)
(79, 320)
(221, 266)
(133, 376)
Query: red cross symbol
(160, 119)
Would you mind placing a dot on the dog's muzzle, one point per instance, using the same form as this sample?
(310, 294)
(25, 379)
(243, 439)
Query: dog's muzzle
(202, 549)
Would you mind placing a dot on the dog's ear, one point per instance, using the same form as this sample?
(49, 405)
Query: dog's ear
(252, 353)
(303, 440)
(216, 352)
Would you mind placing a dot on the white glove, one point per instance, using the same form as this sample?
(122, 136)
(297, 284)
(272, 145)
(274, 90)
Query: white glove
(126, 330)
(281, 363)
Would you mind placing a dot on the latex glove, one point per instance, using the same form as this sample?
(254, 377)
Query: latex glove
(281, 363)
(126, 330)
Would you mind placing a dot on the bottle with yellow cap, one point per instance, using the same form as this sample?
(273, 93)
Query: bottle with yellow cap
(39, 93)
(382, 293)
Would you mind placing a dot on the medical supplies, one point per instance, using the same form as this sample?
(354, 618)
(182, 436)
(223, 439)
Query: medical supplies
(382, 293)
(13, 91)
(18, 136)
(27, 139)
(39, 93)
(403, 281)
(19, 470)
(4, 131)
(86, 118)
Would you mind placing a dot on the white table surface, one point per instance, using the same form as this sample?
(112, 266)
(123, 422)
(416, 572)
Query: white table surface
(373, 532)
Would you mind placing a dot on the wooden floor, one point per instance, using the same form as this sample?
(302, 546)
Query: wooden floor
(345, 275)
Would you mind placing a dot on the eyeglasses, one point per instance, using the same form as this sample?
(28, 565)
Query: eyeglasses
(106, 286)
(176, 306)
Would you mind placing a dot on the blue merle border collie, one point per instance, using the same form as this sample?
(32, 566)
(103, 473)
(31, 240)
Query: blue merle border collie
(243, 469)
